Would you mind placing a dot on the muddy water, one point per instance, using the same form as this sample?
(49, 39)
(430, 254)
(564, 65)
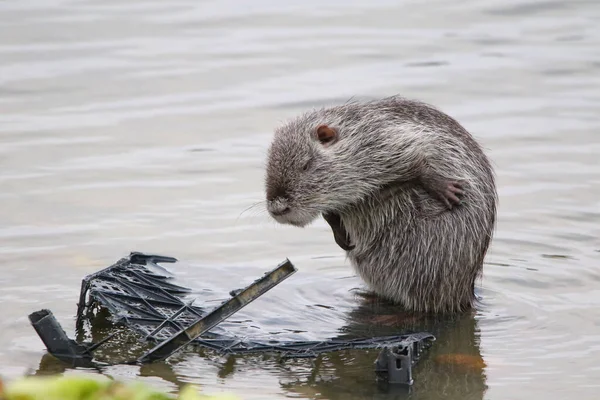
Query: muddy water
(143, 125)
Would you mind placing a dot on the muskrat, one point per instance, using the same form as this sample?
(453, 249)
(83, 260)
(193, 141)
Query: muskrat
(408, 192)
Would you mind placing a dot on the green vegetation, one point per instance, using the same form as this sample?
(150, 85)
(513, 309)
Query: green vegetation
(91, 388)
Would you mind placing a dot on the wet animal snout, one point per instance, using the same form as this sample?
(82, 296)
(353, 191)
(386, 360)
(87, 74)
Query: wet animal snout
(278, 207)
(277, 201)
(274, 192)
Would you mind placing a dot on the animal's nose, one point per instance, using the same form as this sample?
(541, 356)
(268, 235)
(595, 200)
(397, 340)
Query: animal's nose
(279, 211)
(277, 202)
(274, 192)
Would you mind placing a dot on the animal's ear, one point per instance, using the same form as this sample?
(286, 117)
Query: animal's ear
(326, 135)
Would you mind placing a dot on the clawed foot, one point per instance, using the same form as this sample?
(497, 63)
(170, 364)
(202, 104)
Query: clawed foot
(447, 192)
(450, 195)
(339, 231)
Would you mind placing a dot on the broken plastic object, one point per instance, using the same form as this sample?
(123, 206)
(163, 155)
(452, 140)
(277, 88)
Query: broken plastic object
(56, 340)
(394, 364)
(138, 295)
(203, 324)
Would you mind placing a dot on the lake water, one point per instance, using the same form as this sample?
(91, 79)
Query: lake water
(143, 125)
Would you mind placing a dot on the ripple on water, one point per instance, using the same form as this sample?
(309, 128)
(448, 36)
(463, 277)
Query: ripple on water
(147, 130)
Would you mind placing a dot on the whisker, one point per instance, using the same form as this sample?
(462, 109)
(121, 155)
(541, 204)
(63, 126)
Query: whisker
(253, 207)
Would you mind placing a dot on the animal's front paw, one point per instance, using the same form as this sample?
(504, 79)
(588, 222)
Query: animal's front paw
(447, 192)
(343, 242)
(450, 194)
(340, 235)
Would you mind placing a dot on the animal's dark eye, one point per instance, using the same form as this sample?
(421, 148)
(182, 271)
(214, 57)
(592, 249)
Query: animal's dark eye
(306, 165)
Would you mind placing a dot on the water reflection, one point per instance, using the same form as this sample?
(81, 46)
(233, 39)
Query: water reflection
(453, 365)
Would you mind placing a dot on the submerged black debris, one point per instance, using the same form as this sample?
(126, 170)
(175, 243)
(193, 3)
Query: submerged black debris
(137, 292)
(57, 342)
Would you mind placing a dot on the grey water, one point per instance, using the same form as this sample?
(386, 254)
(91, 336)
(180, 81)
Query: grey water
(143, 125)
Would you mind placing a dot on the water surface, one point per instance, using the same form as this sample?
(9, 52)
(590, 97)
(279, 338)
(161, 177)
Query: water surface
(143, 125)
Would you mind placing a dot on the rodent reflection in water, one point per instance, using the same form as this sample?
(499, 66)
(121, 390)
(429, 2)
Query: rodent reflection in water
(452, 366)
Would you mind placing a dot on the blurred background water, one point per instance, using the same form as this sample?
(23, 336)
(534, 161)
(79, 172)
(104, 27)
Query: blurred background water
(143, 125)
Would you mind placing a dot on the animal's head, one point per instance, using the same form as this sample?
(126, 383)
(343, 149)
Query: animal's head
(314, 166)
